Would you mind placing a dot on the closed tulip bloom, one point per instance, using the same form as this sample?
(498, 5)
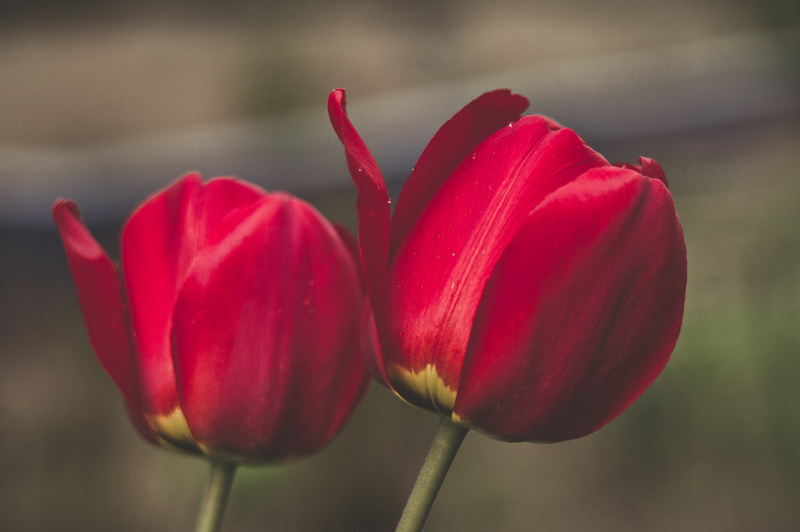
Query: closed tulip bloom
(524, 287)
(231, 326)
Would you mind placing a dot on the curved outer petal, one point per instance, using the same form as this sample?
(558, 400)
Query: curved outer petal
(454, 141)
(159, 243)
(373, 203)
(102, 302)
(370, 344)
(651, 168)
(266, 334)
(351, 245)
(648, 168)
(437, 276)
(581, 313)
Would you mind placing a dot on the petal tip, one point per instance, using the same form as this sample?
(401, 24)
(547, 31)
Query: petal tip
(63, 206)
(650, 168)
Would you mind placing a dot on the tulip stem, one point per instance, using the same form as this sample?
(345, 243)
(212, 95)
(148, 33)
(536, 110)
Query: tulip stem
(445, 445)
(219, 487)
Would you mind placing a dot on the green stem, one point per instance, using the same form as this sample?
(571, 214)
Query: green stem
(445, 445)
(219, 487)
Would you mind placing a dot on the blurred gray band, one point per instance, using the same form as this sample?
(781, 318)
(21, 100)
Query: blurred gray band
(709, 83)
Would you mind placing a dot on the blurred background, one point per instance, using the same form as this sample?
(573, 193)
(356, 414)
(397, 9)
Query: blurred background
(106, 102)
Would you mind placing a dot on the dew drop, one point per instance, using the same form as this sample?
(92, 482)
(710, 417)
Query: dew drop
(438, 235)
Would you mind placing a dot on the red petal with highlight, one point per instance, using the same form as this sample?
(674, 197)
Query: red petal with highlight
(454, 141)
(159, 243)
(373, 200)
(266, 334)
(581, 313)
(438, 274)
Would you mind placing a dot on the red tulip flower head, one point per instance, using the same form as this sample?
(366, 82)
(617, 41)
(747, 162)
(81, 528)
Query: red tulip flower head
(524, 286)
(231, 328)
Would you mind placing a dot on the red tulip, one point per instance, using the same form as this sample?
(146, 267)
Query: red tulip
(524, 287)
(231, 328)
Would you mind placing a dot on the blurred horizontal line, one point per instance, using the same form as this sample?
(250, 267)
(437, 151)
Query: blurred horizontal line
(660, 91)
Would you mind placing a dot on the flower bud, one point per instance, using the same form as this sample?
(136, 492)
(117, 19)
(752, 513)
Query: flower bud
(231, 327)
(524, 286)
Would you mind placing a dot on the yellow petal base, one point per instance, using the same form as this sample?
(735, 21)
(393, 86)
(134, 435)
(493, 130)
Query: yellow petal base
(173, 431)
(424, 388)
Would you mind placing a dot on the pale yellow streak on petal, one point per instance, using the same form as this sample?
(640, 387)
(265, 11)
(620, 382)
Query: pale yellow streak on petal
(173, 431)
(426, 385)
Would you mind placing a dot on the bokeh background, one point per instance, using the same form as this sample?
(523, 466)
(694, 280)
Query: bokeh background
(106, 102)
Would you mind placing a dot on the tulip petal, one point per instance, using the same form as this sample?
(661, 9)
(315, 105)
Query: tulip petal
(350, 243)
(439, 272)
(371, 346)
(651, 168)
(102, 302)
(223, 197)
(648, 168)
(581, 313)
(454, 141)
(159, 243)
(265, 335)
(373, 200)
